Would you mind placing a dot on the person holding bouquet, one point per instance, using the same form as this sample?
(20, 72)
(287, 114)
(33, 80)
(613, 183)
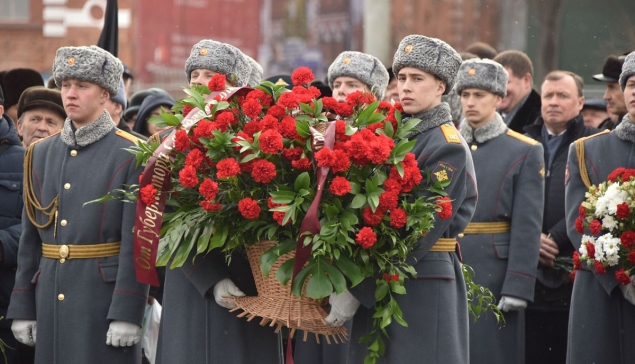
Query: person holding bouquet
(500, 243)
(196, 325)
(435, 306)
(602, 321)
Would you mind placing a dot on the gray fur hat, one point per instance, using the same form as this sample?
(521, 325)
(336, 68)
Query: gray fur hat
(90, 64)
(431, 55)
(483, 74)
(628, 69)
(255, 77)
(363, 67)
(221, 58)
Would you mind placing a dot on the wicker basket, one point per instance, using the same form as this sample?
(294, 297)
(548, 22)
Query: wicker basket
(277, 306)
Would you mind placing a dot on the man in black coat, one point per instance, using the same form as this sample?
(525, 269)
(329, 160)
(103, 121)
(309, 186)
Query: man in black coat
(560, 125)
(521, 105)
(613, 95)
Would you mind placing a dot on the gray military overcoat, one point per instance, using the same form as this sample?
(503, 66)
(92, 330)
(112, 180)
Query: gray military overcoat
(74, 302)
(510, 172)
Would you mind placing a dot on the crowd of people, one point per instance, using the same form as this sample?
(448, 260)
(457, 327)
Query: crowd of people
(502, 139)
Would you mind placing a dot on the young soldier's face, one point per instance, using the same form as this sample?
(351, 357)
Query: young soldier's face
(629, 97)
(344, 85)
(479, 106)
(201, 76)
(83, 101)
(614, 96)
(418, 90)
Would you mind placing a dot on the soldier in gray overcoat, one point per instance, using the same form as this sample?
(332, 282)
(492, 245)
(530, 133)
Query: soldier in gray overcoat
(602, 319)
(76, 293)
(435, 306)
(196, 325)
(502, 241)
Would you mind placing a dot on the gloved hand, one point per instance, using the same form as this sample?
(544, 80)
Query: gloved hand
(224, 291)
(628, 290)
(508, 303)
(122, 333)
(24, 331)
(343, 308)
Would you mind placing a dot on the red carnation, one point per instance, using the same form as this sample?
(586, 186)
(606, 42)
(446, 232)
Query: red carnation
(392, 185)
(187, 109)
(217, 83)
(627, 239)
(622, 277)
(445, 205)
(329, 103)
(148, 194)
(279, 217)
(276, 111)
(389, 200)
(366, 237)
(579, 225)
(209, 189)
(391, 277)
(187, 177)
(269, 123)
(194, 158)
(590, 250)
(288, 128)
(302, 76)
(340, 161)
(340, 130)
(302, 164)
(626, 176)
(271, 141)
(576, 260)
(251, 128)
(599, 267)
(249, 208)
(339, 186)
(343, 109)
(372, 218)
(303, 94)
(210, 206)
(398, 218)
(595, 227)
(288, 100)
(617, 173)
(263, 171)
(292, 154)
(581, 211)
(379, 149)
(227, 167)
(358, 98)
(324, 158)
(623, 211)
(262, 97)
(252, 108)
(181, 141)
(224, 119)
(631, 257)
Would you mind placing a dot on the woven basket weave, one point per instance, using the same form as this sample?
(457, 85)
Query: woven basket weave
(277, 306)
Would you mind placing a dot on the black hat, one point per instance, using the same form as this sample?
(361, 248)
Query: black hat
(611, 70)
(2, 73)
(41, 97)
(150, 103)
(597, 104)
(127, 72)
(16, 81)
(137, 98)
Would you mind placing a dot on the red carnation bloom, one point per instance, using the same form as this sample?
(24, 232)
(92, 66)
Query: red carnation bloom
(276, 111)
(389, 278)
(279, 217)
(392, 185)
(217, 83)
(251, 128)
(579, 225)
(581, 211)
(576, 260)
(225, 118)
(302, 76)
(631, 257)
(181, 141)
(288, 128)
(288, 100)
(340, 130)
(227, 167)
(204, 129)
(379, 149)
(187, 177)
(339, 186)
(372, 218)
(210, 206)
(249, 208)
(329, 103)
(590, 250)
(209, 189)
(358, 98)
(622, 277)
(626, 176)
(148, 194)
(343, 109)
(194, 158)
(263, 171)
(384, 105)
(252, 108)
(599, 267)
(262, 97)
(303, 94)
(595, 227)
(627, 239)
(271, 141)
(617, 173)
(572, 275)
(623, 211)
(366, 237)
(292, 154)
(357, 148)
(398, 218)
(187, 109)
(302, 164)
(269, 123)
(324, 158)
(389, 200)
(340, 161)
(446, 207)
(271, 204)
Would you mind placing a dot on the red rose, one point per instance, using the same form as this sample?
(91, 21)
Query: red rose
(372, 218)
(366, 237)
(217, 83)
(576, 260)
(599, 267)
(398, 218)
(445, 205)
(288, 100)
(590, 250)
(623, 211)
(249, 208)
(302, 76)
(187, 177)
(613, 176)
(270, 141)
(148, 194)
(631, 257)
(627, 239)
(252, 108)
(595, 227)
(227, 167)
(194, 158)
(263, 171)
(581, 211)
(579, 225)
(339, 186)
(181, 141)
(302, 164)
(389, 200)
(622, 277)
(262, 97)
(210, 206)
(209, 189)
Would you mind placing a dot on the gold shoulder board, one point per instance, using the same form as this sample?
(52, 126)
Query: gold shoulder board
(127, 136)
(522, 137)
(581, 140)
(39, 140)
(450, 133)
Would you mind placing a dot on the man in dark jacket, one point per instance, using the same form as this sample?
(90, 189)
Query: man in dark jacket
(11, 167)
(521, 105)
(613, 95)
(560, 125)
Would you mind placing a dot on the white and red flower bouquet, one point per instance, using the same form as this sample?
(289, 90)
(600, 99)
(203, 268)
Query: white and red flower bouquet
(608, 212)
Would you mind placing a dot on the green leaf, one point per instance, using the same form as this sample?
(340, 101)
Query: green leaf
(365, 115)
(302, 181)
(397, 288)
(350, 270)
(319, 285)
(284, 273)
(219, 237)
(336, 277)
(355, 188)
(204, 239)
(358, 201)
(381, 291)
(390, 131)
(302, 128)
(249, 157)
(318, 107)
(283, 197)
(306, 108)
(184, 249)
(298, 281)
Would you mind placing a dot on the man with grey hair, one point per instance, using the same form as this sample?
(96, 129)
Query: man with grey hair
(76, 293)
(40, 114)
(355, 71)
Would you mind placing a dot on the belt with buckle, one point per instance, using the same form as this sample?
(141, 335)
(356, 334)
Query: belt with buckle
(63, 252)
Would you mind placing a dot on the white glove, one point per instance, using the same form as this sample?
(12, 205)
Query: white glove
(343, 308)
(628, 290)
(508, 303)
(224, 291)
(24, 331)
(122, 333)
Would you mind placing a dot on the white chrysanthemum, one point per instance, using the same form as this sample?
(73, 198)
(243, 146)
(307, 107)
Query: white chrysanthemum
(607, 249)
(607, 203)
(583, 252)
(608, 222)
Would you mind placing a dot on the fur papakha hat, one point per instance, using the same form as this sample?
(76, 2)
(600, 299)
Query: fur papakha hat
(361, 66)
(483, 74)
(221, 58)
(431, 55)
(628, 69)
(90, 64)
(255, 77)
